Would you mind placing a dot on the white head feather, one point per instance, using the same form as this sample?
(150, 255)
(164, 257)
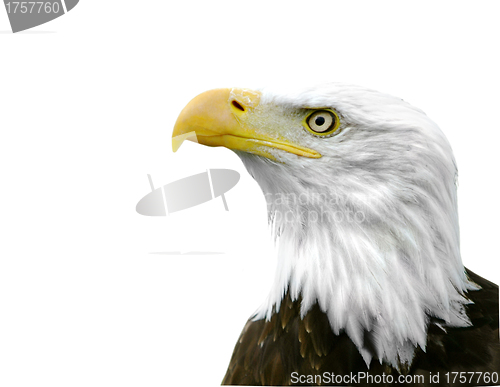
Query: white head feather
(369, 230)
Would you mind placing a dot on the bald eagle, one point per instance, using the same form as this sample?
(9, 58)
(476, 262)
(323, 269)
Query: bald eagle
(361, 193)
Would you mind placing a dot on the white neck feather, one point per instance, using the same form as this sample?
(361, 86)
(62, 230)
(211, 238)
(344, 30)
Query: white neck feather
(377, 255)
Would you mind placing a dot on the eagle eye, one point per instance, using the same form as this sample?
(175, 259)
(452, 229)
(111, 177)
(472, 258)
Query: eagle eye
(322, 122)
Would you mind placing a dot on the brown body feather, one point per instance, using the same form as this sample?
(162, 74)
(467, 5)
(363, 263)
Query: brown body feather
(268, 352)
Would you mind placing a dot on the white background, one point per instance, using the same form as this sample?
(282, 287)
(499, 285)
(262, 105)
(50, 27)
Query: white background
(87, 106)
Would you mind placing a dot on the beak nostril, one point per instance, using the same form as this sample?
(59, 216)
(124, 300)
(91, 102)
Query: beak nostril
(238, 106)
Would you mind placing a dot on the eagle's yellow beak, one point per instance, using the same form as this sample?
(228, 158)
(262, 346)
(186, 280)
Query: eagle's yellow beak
(222, 117)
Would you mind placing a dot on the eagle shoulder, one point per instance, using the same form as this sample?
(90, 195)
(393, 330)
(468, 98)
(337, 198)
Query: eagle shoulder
(272, 352)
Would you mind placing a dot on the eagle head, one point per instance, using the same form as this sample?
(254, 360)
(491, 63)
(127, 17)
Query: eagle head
(361, 193)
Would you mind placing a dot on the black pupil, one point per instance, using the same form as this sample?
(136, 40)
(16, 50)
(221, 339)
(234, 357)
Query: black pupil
(319, 121)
